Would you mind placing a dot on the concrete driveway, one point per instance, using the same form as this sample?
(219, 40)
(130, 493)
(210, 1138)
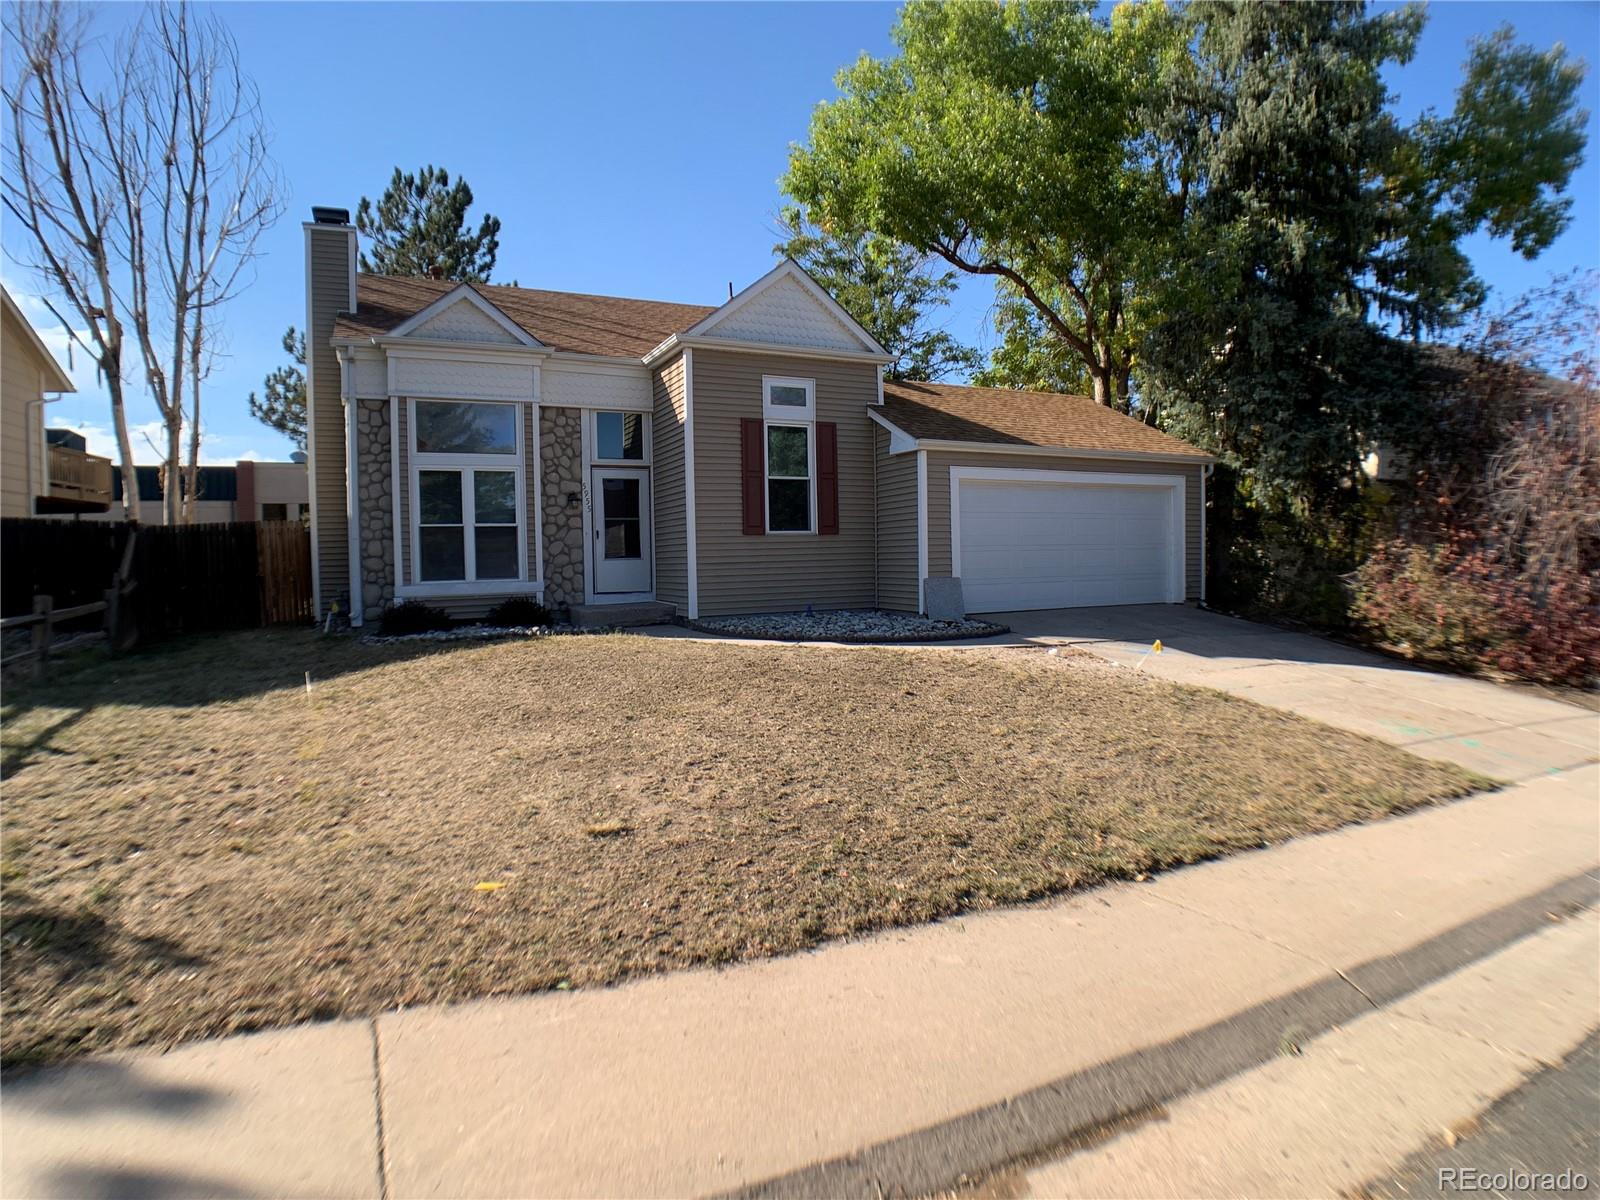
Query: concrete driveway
(1503, 732)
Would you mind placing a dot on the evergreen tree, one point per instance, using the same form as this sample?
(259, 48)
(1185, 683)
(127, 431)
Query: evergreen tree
(886, 286)
(283, 407)
(419, 228)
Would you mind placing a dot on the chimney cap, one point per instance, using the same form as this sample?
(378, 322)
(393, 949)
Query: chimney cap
(323, 215)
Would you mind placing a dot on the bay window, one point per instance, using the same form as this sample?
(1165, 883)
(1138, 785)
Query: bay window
(467, 484)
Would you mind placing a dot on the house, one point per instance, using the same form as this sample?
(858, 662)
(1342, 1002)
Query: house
(470, 443)
(247, 491)
(38, 476)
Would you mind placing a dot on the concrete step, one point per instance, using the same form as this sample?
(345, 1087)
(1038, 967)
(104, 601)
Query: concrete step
(611, 616)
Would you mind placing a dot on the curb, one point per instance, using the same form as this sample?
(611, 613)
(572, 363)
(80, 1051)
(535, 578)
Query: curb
(1090, 1105)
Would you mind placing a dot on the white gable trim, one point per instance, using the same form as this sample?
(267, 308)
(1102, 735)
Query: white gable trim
(788, 269)
(900, 442)
(455, 295)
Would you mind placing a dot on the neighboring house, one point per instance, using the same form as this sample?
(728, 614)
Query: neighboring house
(469, 443)
(38, 477)
(246, 491)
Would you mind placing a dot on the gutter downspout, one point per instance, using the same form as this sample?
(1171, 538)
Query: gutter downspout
(41, 448)
(1205, 474)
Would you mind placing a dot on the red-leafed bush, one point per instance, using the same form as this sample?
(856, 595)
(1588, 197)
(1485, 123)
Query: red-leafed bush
(1462, 607)
(1498, 560)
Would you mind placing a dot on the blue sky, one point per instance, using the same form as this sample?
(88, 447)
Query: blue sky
(628, 149)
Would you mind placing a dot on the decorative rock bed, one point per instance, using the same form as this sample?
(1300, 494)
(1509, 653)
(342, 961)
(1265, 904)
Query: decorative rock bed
(847, 625)
(472, 633)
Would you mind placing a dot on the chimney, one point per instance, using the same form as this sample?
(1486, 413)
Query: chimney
(331, 289)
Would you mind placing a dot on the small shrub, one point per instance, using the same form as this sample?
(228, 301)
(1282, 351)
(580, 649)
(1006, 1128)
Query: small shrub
(412, 617)
(519, 612)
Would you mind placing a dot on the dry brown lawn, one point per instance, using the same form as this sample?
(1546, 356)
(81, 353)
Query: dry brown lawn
(192, 846)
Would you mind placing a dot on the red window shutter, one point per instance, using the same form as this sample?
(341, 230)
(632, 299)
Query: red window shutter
(753, 475)
(827, 477)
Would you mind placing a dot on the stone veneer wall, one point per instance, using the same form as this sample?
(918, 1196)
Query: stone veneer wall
(376, 502)
(561, 473)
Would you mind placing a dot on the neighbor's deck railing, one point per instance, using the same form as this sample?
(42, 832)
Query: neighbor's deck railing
(76, 475)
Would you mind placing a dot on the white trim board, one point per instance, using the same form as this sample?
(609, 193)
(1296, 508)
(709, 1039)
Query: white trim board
(1177, 570)
(922, 530)
(691, 573)
(352, 507)
(680, 341)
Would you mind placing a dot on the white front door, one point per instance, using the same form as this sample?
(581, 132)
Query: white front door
(621, 531)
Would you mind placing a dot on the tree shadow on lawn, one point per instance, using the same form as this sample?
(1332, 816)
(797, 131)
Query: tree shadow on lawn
(75, 948)
(199, 669)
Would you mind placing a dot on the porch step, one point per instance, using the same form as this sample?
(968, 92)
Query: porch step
(610, 616)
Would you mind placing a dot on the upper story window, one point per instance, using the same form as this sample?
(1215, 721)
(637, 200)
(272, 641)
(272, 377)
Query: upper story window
(452, 427)
(788, 399)
(467, 483)
(619, 436)
(789, 409)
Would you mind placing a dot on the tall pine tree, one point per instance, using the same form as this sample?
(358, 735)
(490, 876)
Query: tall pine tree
(419, 227)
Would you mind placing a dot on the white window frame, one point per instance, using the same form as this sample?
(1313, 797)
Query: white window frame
(787, 416)
(593, 418)
(421, 461)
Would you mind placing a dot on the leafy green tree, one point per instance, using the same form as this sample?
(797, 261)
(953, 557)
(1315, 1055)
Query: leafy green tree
(1012, 141)
(889, 288)
(419, 228)
(1029, 355)
(283, 405)
(1317, 225)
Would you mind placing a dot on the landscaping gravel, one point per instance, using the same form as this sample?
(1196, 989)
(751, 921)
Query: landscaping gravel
(847, 625)
(472, 633)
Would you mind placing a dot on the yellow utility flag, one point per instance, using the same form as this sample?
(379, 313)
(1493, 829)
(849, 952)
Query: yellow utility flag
(487, 886)
(1156, 649)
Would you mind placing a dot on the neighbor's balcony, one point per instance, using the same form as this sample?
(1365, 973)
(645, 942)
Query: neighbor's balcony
(79, 479)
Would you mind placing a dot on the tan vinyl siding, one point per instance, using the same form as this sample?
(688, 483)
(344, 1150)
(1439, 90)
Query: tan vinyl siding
(897, 526)
(666, 470)
(330, 293)
(21, 430)
(738, 572)
(940, 462)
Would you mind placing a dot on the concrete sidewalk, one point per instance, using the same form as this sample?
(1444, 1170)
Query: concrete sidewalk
(1346, 1108)
(711, 1081)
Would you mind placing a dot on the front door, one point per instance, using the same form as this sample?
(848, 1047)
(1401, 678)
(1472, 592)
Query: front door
(621, 531)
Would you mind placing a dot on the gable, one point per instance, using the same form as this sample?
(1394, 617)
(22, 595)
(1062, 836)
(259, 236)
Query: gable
(786, 307)
(463, 321)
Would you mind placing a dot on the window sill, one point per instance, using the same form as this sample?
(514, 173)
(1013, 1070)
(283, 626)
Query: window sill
(475, 587)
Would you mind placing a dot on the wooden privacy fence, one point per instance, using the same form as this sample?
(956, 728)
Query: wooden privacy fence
(284, 549)
(168, 579)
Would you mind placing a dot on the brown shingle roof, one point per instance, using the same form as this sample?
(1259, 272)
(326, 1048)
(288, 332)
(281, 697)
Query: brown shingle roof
(1003, 416)
(561, 320)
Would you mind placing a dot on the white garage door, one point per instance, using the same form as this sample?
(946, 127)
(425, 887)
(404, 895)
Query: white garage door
(1046, 543)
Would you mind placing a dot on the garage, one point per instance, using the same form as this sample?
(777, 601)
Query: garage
(1066, 539)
